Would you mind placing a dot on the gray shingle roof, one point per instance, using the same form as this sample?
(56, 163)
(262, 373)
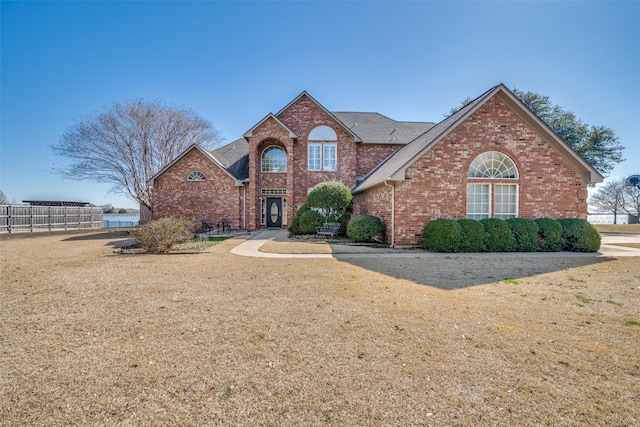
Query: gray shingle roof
(235, 158)
(401, 158)
(374, 128)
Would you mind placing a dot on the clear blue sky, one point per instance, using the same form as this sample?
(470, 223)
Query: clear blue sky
(234, 62)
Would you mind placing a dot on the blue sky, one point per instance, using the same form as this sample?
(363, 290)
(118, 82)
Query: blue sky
(234, 62)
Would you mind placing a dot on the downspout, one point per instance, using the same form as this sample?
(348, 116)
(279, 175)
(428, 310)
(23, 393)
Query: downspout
(244, 206)
(393, 214)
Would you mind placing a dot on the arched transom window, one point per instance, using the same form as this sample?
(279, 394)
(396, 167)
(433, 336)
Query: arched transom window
(496, 197)
(322, 151)
(492, 164)
(274, 159)
(196, 176)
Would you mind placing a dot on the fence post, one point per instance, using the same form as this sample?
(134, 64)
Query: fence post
(9, 218)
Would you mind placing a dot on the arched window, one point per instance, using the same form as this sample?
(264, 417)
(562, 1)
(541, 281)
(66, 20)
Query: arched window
(498, 168)
(492, 164)
(274, 159)
(196, 176)
(322, 149)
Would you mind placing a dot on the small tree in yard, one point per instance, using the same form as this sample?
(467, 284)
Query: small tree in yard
(330, 197)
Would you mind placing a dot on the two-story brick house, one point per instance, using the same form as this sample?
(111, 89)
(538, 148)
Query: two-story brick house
(492, 158)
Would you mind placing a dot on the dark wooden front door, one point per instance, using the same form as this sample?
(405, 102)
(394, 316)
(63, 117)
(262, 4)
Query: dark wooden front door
(274, 212)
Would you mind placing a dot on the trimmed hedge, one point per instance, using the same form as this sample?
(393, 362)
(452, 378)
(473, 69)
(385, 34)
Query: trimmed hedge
(525, 233)
(442, 235)
(363, 228)
(549, 235)
(472, 239)
(498, 235)
(309, 221)
(579, 236)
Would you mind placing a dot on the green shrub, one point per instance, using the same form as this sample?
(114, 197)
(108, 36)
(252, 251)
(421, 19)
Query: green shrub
(442, 235)
(579, 236)
(309, 221)
(498, 235)
(525, 233)
(549, 235)
(302, 209)
(472, 239)
(294, 226)
(161, 235)
(329, 196)
(364, 228)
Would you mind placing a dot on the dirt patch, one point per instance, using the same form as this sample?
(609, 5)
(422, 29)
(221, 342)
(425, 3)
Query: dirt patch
(91, 337)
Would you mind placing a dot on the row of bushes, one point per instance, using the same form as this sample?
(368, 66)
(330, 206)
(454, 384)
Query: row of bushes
(362, 228)
(515, 234)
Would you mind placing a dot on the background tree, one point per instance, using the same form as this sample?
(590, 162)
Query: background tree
(598, 145)
(3, 199)
(632, 200)
(128, 143)
(329, 196)
(610, 197)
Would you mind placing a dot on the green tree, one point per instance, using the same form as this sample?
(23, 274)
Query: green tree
(598, 145)
(610, 197)
(329, 197)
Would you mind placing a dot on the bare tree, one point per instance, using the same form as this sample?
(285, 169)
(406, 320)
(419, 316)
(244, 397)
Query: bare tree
(610, 197)
(632, 200)
(128, 143)
(3, 199)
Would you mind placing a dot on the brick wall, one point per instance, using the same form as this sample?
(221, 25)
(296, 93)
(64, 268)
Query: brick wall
(371, 155)
(435, 185)
(215, 198)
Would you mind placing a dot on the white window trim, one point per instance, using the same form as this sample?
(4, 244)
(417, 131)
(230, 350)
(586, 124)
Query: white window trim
(322, 146)
(262, 159)
(490, 198)
(517, 202)
(196, 176)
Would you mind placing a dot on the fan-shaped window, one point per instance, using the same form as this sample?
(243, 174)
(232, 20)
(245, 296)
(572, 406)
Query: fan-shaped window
(493, 164)
(492, 199)
(274, 159)
(196, 176)
(322, 133)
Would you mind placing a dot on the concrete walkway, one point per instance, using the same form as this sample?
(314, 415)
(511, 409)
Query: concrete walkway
(251, 248)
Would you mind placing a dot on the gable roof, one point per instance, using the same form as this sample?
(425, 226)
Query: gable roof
(249, 133)
(151, 181)
(356, 138)
(235, 158)
(374, 128)
(392, 169)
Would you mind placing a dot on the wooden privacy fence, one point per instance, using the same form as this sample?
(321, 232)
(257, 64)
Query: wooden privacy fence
(15, 218)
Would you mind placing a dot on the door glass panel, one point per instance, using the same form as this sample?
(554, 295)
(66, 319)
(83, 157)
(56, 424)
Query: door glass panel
(273, 212)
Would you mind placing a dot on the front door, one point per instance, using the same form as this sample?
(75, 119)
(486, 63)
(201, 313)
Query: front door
(274, 212)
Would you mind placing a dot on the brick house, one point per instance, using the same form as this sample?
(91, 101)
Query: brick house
(492, 158)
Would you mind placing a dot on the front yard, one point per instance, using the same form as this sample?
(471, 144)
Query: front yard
(90, 337)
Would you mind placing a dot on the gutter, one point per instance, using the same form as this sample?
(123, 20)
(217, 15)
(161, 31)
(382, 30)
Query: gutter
(393, 213)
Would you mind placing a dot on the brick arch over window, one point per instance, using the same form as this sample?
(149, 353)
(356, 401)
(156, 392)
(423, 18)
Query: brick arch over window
(491, 190)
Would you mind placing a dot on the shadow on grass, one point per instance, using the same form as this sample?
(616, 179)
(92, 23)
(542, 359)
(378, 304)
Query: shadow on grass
(104, 235)
(457, 272)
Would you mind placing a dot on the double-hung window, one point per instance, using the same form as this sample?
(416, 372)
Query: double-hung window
(489, 192)
(322, 153)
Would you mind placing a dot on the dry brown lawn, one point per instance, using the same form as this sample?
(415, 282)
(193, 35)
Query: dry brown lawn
(90, 337)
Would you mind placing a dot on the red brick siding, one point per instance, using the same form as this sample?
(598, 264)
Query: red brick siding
(371, 155)
(196, 201)
(435, 185)
(376, 201)
(302, 117)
